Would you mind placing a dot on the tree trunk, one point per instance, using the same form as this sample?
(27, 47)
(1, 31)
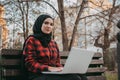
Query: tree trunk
(76, 23)
(63, 25)
(108, 54)
(27, 7)
(23, 18)
(109, 59)
(118, 58)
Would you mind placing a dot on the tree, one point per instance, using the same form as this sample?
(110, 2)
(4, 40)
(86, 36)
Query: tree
(63, 25)
(66, 45)
(105, 35)
(18, 15)
(77, 22)
(24, 8)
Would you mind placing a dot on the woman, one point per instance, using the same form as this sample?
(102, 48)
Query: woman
(41, 52)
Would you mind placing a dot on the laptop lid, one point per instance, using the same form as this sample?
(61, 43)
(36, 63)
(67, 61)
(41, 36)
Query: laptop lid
(77, 61)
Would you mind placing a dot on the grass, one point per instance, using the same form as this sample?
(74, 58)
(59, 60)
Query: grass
(111, 75)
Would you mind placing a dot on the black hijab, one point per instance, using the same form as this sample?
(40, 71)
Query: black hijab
(37, 32)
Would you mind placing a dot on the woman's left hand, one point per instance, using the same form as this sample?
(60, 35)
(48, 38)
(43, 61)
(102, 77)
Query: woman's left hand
(57, 69)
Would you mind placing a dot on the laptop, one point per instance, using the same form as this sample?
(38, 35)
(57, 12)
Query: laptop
(77, 62)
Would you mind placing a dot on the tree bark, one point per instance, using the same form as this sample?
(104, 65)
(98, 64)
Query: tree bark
(106, 43)
(27, 11)
(76, 24)
(63, 25)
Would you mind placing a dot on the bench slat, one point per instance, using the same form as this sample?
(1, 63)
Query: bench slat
(96, 55)
(96, 70)
(10, 62)
(5, 52)
(7, 62)
(13, 52)
(94, 62)
(10, 72)
(100, 62)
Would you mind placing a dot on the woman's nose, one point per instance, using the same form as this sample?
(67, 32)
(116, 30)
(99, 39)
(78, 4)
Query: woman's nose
(49, 25)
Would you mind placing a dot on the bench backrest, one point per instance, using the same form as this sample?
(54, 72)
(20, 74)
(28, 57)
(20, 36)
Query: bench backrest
(11, 59)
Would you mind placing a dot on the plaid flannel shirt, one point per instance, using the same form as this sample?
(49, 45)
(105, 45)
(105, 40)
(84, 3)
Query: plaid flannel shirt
(38, 58)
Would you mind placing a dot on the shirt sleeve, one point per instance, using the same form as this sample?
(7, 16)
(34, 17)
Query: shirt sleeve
(30, 58)
(58, 57)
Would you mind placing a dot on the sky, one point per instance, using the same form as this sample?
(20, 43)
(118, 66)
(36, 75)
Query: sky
(50, 11)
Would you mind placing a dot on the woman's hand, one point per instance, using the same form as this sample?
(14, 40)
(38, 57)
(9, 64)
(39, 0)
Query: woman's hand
(57, 69)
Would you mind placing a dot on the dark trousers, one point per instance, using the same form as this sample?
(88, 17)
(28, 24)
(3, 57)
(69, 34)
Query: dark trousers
(58, 77)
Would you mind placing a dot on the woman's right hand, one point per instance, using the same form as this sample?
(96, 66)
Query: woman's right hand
(56, 69)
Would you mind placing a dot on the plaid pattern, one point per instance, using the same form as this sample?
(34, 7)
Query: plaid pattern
(38, 58)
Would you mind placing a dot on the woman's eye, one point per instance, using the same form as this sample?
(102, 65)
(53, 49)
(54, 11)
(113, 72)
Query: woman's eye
(46, 22)
(51, 24)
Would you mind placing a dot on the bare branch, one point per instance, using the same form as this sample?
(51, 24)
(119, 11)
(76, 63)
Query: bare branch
(96, 42)
(6, 3)
(113, 39)
(76, 23)
(51, 6)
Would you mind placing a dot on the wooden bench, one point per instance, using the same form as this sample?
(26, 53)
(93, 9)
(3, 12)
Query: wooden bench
(10, 65)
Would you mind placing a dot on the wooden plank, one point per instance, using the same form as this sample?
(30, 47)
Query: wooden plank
(97, 55)
(7, 62)
(96, 78)
(95, 62)
(13, 52)
(10, 72)
(66, 53)
(17, 52)
(62, 61)
(10, 62)
(5, 52)
(96, 70)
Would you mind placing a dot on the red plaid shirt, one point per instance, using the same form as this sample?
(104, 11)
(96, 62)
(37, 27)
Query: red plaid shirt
(38, 58)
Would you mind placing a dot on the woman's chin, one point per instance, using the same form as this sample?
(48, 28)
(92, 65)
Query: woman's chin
(47, 32)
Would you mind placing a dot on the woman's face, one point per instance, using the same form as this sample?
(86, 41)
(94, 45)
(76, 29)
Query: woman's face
(47, 26)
